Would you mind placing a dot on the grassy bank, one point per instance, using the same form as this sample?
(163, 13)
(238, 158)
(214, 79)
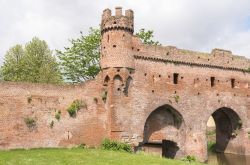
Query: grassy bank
(78, 156)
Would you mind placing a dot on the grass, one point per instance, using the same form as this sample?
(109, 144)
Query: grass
(78, 156)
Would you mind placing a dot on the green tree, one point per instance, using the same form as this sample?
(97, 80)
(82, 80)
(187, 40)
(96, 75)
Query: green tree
(12, 69)
(80, 61)
(33, 63)
(147, 37)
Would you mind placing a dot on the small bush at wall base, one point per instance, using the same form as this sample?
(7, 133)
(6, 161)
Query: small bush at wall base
(108, 144)
(75, 107)
(30, 122)
(81, 146)
(189, 159)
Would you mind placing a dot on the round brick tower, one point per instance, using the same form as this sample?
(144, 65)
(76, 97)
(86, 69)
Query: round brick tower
(117, 62)
(116, 44)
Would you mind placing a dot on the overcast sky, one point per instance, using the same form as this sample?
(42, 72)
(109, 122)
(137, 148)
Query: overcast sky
(190, 24)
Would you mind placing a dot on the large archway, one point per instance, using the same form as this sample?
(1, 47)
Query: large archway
(227, 126)
(163, 132)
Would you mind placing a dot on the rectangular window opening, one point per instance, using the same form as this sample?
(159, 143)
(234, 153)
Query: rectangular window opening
(175, 78)
(212, 81)
(232, 82)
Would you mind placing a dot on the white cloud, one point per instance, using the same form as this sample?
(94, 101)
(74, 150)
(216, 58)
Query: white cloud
(191, 24)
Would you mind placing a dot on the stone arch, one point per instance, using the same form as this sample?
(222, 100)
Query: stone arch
(228, 125)
(164, 128)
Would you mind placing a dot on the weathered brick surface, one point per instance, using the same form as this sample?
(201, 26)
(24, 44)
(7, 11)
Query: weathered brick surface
(144, 106)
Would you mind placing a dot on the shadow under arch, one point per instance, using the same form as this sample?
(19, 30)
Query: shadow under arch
(162, 129)
(227, 126)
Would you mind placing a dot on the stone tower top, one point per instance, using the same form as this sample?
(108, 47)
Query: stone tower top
(117, 21)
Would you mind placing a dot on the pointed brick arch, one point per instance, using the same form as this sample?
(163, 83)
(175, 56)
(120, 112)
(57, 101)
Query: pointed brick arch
(164, 130)
(228, 126)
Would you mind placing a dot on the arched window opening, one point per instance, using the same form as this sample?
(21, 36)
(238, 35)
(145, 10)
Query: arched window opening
(106, 81)
(117, 85)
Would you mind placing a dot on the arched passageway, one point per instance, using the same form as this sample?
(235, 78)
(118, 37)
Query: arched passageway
(162, 133)
(227, 126)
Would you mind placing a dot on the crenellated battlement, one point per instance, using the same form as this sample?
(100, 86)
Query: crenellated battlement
(117, 21)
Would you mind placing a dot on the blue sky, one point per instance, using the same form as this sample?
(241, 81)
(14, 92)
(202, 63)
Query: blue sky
(189, 24)
(247, 23)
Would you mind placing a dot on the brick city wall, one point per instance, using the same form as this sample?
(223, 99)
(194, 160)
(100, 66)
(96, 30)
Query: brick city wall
(156, 96)
(41, 102)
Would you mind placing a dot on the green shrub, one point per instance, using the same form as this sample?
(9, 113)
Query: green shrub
(58, 115)
(75, 107)
(72, 112)
(30, 122)
(108, 144)
(177, 98)
(189, 159)
(81, 146)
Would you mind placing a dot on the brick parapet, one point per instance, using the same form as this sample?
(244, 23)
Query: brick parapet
(218, 57)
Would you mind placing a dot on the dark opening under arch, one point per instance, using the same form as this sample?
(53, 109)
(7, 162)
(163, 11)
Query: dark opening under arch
(162, 130)
(227, 127)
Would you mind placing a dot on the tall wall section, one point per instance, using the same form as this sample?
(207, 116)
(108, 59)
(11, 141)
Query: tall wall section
(41, 102)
